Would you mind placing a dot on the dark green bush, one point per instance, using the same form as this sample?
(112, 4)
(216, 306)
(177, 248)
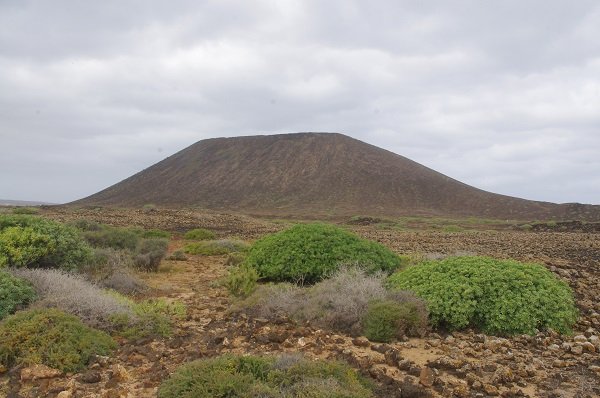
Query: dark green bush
(249, 376)
(388, 319)
(199, 234)
(502, 297)
(241, 281)
(29, 241)
(150, 252)
(14, 293)
(308, 252)
(216, 247)
(52, 338)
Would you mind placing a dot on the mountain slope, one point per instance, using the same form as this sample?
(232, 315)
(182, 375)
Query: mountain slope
(314, 174)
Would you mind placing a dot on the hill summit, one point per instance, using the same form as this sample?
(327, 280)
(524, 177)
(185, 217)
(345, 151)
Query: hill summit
(314, 174)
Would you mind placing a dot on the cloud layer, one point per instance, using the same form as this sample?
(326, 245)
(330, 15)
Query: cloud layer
(504, 96)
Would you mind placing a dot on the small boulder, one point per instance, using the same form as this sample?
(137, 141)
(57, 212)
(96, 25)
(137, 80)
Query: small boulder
(577, 350)
(119, 373)
(427, 377)
(580, 338)
(39, 372)
(90, 377)
(361, 342)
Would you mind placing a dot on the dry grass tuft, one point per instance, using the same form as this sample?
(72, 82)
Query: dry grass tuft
(339, 303)
(74, 295)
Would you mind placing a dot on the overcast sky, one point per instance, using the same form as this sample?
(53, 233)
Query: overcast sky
(502, 95)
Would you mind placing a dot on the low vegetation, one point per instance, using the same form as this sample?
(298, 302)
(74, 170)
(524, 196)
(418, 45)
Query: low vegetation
(106, 310)
(151, 318)
(216, 247)
(26, 210)
(199, 234)
(74, 295)
(52, 338)
(252, 376)
(339, 303)
(177, 255)
(386, 320)
(15, 293)
(105, 236)
(111, 269)
(146, 248)
(503, 297)
(30, 241)
(309, 252)
(155, 233)
(241, 281)
(149, 253)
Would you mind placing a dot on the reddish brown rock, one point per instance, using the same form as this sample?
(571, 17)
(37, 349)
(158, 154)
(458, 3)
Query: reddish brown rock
(427, 377)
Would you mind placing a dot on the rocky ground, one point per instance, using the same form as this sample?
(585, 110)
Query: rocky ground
(466, 364)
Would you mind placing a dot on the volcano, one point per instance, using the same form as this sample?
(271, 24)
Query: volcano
(313, 175)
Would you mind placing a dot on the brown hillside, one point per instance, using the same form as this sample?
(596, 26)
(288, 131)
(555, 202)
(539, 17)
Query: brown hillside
(315, 174)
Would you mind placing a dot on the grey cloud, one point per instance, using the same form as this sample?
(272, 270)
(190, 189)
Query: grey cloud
(503, 95)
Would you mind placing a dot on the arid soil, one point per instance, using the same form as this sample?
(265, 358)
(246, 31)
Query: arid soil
(466, 364)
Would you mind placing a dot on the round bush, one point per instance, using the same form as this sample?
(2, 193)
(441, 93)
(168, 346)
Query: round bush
(381, 321)
(389, 319)
(29, 241)
(502, 297)
(309, 252)
(14, 293)
(52, 338)
(251, 376)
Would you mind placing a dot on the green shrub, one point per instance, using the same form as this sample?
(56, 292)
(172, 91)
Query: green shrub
(26, 210)
(250, 376)
(199, 234)
(86, 225)
(308, 252)
(526, 227)
(216, 247)
(113, 237)
(29, 241)
(149, 253)
(152, 317)
(241, 281)
(14, 294)
(155, 233)
(52, 338)
(388, 319)
(502, 297)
